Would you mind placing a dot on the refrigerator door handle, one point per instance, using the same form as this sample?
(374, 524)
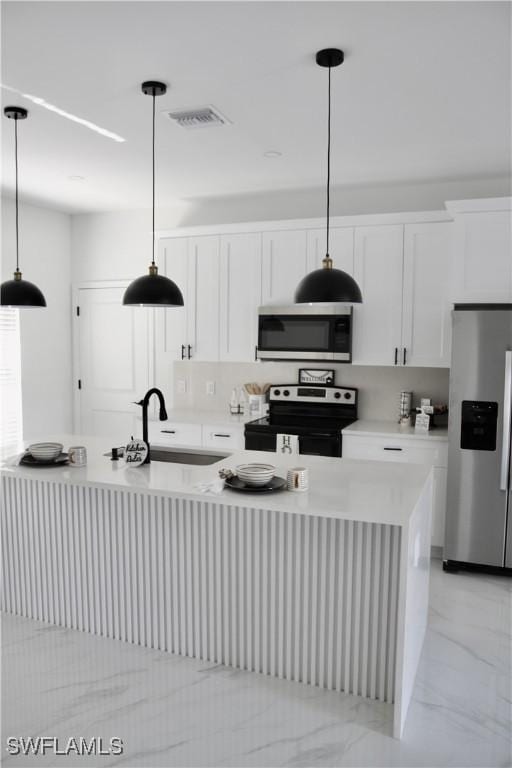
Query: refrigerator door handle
(507, 416)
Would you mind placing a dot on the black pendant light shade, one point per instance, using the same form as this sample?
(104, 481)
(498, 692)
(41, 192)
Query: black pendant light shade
(328, 285)
(19, 292)
(153, 290)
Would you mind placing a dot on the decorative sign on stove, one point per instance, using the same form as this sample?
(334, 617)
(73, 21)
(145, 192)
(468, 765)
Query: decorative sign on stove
(287, 444)
(316, 376)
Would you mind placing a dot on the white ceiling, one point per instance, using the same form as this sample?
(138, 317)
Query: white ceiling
(424, 93)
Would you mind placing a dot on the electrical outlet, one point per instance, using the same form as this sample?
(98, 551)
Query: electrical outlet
(210, 387)
(181, 386)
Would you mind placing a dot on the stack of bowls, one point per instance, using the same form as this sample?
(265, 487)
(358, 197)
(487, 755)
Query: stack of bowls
(45, 451)
(255, 474)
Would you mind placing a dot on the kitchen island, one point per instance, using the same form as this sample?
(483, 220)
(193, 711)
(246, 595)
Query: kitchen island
(327, 587)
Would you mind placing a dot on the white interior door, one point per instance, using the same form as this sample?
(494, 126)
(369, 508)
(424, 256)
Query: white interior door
(113, 359)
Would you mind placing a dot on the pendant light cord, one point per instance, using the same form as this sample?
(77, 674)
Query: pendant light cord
(16, 167)
(154, 98)
(328, 157)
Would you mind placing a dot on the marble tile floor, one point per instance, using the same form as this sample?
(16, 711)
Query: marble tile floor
(173, 711)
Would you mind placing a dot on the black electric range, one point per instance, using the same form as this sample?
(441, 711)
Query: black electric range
(316, 414)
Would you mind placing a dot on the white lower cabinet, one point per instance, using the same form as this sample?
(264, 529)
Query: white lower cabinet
(219, 436)
(410, 451)
(224, 437)
(168, 433)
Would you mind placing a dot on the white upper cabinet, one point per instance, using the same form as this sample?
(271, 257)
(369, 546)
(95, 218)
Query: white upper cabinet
(483, 249)
(405, 277)
(171, 325)
(377, 322)
(427, 291)
(410, 268)
(284, 265)
(190, 332)
(341, 247)
(203, 310)
(240, 295)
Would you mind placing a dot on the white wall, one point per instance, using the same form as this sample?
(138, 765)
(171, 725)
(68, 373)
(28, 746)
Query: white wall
(117, 245)
(45, 259)
(379, 387)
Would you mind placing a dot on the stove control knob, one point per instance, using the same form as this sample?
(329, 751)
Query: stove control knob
(347, 395)
(337, 395)
(286, 392)
(277, 392)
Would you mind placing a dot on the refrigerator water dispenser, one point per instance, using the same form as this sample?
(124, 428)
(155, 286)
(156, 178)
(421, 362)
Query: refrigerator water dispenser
(479, 425)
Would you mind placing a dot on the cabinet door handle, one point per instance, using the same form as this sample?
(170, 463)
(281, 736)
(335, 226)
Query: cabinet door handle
(393, 449)
(220, 434)
(189, 348)
(182, 351)
(256, 352)
(405, 355)
(168, 431)
(396, 355)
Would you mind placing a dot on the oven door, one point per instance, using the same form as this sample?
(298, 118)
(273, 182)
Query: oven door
(327, 444)
(305, 336)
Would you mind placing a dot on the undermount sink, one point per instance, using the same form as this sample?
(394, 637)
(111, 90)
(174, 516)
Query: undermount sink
(200, 458)
(181, 456)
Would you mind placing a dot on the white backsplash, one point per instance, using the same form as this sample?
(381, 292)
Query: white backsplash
(379, 386)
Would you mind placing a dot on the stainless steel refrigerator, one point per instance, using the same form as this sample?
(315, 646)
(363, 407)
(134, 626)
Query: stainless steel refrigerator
(479, 500)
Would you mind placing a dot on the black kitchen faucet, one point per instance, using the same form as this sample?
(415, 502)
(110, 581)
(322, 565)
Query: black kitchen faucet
(163, 415)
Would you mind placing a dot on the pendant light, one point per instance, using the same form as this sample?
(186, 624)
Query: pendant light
(328, 284)
(153, 290)
(18, 292)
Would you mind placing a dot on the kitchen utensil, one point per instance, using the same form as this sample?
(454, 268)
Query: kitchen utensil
(256, 405)
(255, 474)
(233, 402)
(45, 451)
(275, 484)
(405, 407)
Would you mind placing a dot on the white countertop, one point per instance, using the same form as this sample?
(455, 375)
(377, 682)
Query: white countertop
(371, 491)
(190, 416)
(393, 429)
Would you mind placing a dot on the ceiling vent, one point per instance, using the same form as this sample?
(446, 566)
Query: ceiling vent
(202, 117)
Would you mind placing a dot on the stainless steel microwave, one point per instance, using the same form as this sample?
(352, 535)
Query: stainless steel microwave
(305, 332)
